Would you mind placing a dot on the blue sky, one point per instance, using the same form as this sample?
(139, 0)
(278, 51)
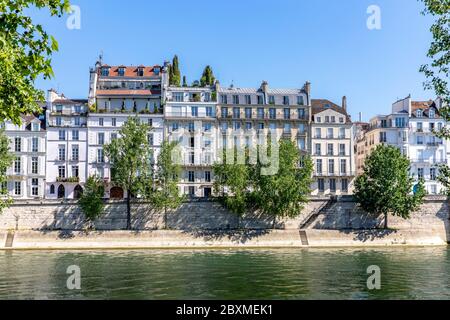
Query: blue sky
(285, 42)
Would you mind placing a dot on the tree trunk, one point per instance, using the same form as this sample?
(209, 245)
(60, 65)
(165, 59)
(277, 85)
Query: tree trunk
(165, 217)
(386, 220)
(128, 210)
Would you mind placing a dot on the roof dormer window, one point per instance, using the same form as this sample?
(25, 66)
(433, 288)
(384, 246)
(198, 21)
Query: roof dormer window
(105, 71)
(156, 70)
(431, 113)
(121, 71)
(419, 113)
(140, 72)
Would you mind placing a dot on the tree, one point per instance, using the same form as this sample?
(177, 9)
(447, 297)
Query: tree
(91, 201)
(130, 158)
(6, 159)
(207, 78)
(166, 194)
(25, 55)
(285, 193)
(385, 186)
(174, 72)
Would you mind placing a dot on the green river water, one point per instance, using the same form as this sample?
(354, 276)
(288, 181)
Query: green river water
(406, 273)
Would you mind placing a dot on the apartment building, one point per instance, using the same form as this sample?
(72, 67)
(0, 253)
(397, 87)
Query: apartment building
(285, 113)
(411, 127)
(26, 177)
(66, 162)
(117, 93)
(190, 119)
(332, 148)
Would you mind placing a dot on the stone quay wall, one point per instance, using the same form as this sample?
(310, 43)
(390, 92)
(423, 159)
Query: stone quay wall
(342, 214)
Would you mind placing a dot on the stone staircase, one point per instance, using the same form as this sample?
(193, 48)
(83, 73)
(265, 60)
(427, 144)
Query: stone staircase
(308, 221)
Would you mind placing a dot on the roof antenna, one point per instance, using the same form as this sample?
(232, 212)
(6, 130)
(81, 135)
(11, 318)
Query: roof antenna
(100, 57)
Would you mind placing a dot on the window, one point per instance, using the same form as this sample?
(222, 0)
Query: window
(100, 156)
(301, 113)
(383, 137)
(17, 165)
(235, 99)
(52, 189)
(178, 96)
(113, 136)
(431, 126)
(260, 113)
(236, 125)
(248, 113)
(318, 149)
(318, 133)
(61, 172)
(300, 101)
(330, 149)
(301, 144)
(207, 127)
(271, 99)
(101, 138)
(77, 121)
(433, 174)
(207, 176)
(260, 126)
(34, 165)
(318, 119)
(209, 111)
(75, 171)
(248, 126)
(330, 133)
(286, 100)
(248, 99)
(331, 166)
(191, 176)
(342, 150)
(420, 173)
(121, 72)
(332, 185)
(140, 72)
(432, 113)
(319, 166)
(175, 126)
(301, 128)
(341, 133)
(327, 119)
(100, 122)
(224, 99)
(341, 120)
(17, 188)
(321, 185)
(224, 112)
(236, 113)
(75, 153)
(272, 113)
(35, 144)
(114, 122)
(207, 97)
(419, 127)
(344, 186)
(260, 99)
(101, 173)
(343, 166)
(420, 140)
(75, 135)
(62, 135)
(191, 127)
(287, 113)
(18, 144)
(61, 153)
(333, 119)
(287, 128)
(400, 122)
(35, 127)
(191, 142)
(58, 121)
(105, 72)
(419, 113)
(194, 111)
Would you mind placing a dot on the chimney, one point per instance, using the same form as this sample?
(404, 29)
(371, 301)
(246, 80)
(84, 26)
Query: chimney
(265, 86)
(344, 103)
(217, 85)
(307, 88)
(360, 116)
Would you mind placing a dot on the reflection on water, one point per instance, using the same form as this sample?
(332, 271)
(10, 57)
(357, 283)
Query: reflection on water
(407, 273)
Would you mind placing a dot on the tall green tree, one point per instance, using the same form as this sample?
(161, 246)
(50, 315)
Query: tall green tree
(130, 157)
(25, 55)
(207, 78)
(91, 201)
(6, 160)
(285, 193)
(386, 187)
(175, 74)
(166, 194)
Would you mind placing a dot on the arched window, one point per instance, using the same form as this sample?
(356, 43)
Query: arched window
(61, 192)
(52, 189)
(77, 192)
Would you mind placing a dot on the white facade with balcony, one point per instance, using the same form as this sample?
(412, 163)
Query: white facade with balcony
(26, 177)
(190, 119)
(66, 159)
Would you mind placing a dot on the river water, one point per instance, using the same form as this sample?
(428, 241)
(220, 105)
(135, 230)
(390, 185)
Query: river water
(406, 273)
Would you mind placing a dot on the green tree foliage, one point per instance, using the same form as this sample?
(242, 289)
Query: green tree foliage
(130, 156)
(91, 201)
(6, 159)
(166, 194)
(174, 72)
(25, 55)
(185, 84)
(285, 193)
(282, 194)
(207, 78)
(386, 187)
